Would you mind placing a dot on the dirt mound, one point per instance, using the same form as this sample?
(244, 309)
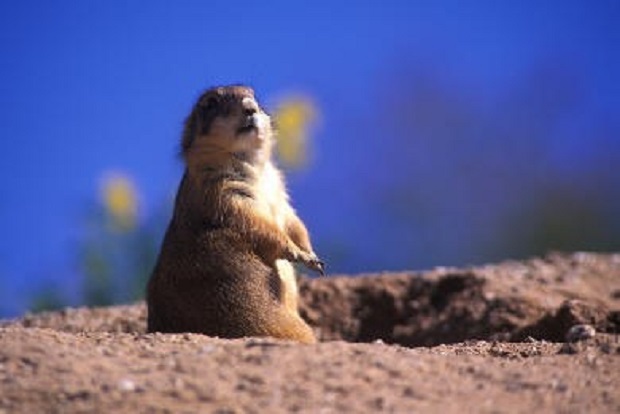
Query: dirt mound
(541, 298)
(502, 328)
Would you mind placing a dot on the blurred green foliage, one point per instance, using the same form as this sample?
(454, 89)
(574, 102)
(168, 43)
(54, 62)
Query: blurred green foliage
(119, 250)
(115, 252)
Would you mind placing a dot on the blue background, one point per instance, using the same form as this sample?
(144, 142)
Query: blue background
(442, 123)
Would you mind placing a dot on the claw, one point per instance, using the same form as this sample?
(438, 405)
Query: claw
(321, 267)
(317, 265)
(309, 260)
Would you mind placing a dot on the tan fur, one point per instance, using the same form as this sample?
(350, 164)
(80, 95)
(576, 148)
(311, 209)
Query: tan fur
(225, 264)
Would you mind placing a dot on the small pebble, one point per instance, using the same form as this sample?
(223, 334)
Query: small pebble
(207, 349)
(126, 385)
(580, 332)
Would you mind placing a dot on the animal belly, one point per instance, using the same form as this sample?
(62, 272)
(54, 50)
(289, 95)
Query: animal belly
(286, 273)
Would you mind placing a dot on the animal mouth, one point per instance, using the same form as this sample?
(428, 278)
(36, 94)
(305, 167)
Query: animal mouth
(249, 125)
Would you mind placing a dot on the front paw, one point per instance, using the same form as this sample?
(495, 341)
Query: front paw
(312, 262)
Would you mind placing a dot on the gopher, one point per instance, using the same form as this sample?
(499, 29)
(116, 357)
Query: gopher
(225, 268)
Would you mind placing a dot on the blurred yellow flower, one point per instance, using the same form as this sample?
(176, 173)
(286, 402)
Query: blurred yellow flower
(294, 117)
(120, 200)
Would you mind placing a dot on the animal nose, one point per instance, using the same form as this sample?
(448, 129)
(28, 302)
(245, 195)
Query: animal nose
(250, 119)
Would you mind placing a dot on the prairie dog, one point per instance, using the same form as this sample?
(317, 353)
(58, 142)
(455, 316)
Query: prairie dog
(225, 263)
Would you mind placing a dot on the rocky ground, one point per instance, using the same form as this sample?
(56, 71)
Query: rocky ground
(540, 335)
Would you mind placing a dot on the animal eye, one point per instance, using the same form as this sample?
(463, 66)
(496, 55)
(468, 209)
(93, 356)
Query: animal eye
(210, 103)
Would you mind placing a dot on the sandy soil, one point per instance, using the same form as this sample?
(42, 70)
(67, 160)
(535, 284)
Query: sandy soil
(514, 337)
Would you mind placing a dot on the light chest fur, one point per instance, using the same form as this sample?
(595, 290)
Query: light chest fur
(272, 199)
(270, 195)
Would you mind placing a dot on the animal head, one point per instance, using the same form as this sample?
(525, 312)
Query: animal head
(227, 121)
